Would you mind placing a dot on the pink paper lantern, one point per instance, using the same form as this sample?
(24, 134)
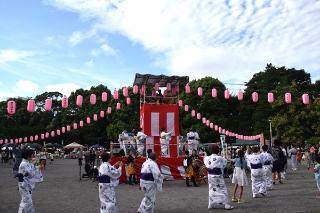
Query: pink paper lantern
(20, 140)
(198, 116)
(223, 131)
(305, 99)
(211, 125)
(11, 141)
(58, 132)
(118, 106)
(11, 107)
(216, 127)
(68, 128)
(36, 137)
(42, 136)
(186, 108)
(180, 103)
(208, 122)
(109, 110)
(156, 86)
(53, 133)
(270, 97)
(1, 141)
(128, 100)
(88, 120)
(143, 89)
(204, 120)
(48, 104)
(255, 97)
(95, 117)
(125, 91)
(31, 105)
(63, 130)
(227, 132)
(288, 98)
(240, 95)
(168, 86)
(75, 126)
(193, 113)
(187, 88)
(81, 123)
(226, 94)
(93, 99)
(79, 100)
(104, 97)
(16, 140)
(101, 114)
(64, 102)
(214, 92)
(47, 135)
(200, 91)
(220, 130)
(115, 94)
(135, 89)
(6, 140)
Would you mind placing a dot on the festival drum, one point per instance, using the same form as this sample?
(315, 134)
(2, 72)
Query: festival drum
(200, 170)
(196, 164)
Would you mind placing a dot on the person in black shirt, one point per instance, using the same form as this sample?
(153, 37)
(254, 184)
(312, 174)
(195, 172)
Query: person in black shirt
(190, 174)
(131, 169)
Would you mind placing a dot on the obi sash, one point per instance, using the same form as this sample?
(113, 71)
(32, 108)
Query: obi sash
(215, 171)
(147, 176)
(256, 166)
(103, 179)
(191, 138)
(267, 163)
(20, 177)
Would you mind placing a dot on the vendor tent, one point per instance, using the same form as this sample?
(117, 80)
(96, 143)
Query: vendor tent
(73, 145)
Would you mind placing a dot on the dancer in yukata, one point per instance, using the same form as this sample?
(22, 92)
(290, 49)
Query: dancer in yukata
(108, 180)
(218, 193)
(165, 138)
(150, 182)
(28, 175)
(267, 167)
(193, 140)
(141, 141)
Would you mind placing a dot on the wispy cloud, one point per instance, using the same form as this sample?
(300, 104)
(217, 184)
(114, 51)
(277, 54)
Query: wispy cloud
(217, 38)
(105, 49)
(11, 55)
(78, 37)
(64, 88)
(26, 86)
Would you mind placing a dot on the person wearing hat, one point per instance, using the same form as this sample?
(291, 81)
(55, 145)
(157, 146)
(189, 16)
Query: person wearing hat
(28, 175)
(151, 181)
(108, 179)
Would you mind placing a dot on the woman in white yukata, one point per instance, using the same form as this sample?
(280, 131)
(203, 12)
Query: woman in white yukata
(150, 182)
(267, 167)
(218, 193)
(108, 180)
(255, 163)
(28, 175)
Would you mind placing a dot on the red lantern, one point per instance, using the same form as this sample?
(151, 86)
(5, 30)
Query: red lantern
(11, 107)
(101, 114)
(270, 97)
(288, 98)
(128, 100)
(187, 88)
(115, 94)
(186, 108)
(135, 89)
(180, 103)
(226, 94)
(88, 120)
(109, 110)
(31, 105)
(64, 102)
(75, 126)
(125, 91)
(81, 123)
(198, 116)
(305, 99)
(214, 92)
(79, 100)
(118, 106)
(200, 91)
(168, 86)
(240, 95)
(95, 117)
(48, 104)
(193, 113)
(93, 99)
(68, 128)
(104, 97)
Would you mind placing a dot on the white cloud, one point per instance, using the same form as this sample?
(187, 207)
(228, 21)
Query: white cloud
(225, 39)
(78, 37)
(65, 88)
(11, 55)
(26, 86)
(103, 49)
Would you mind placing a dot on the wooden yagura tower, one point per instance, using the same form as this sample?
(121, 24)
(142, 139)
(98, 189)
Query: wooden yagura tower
(160, 111)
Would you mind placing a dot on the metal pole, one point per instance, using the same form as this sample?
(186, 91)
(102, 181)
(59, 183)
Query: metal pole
(270, 134)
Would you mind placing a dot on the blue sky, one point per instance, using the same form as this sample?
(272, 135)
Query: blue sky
(48, 45)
